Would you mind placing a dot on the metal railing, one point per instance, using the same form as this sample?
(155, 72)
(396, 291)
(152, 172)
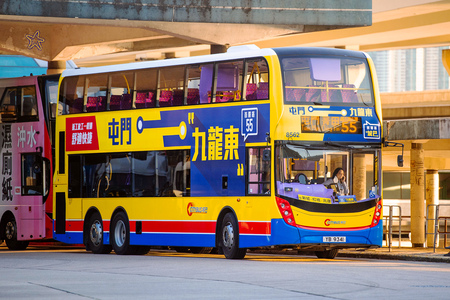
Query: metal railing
(390, 222)
(436, 219)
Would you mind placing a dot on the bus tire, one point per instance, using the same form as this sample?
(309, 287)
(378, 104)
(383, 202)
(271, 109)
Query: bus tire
(120, 235)
(10, 233)
(229, 238)
(96, 235)
(330, 254)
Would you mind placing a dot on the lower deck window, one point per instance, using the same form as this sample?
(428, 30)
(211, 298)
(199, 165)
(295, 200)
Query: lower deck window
(258, 171)
(138, 174)
(31, 174)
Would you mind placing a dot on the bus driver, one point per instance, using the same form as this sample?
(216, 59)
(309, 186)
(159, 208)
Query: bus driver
(338, 179)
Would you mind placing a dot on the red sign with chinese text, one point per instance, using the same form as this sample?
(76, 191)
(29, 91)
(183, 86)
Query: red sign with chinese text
(81, 134)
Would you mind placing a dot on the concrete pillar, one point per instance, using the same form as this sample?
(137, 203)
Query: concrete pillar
(432, 198)
(56, 67)
(359, 176)
(218, 49)
(417, 196)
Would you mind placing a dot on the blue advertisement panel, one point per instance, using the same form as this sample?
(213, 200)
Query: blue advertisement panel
(216, 137)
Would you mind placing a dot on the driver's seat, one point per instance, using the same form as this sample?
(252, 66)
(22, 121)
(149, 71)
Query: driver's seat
(301, 178)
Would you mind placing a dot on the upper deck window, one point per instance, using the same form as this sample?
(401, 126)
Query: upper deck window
(19, 104)
(327, 79)
(184, 84)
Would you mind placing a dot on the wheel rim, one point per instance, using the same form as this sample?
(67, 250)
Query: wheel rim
(9, 231)
(120, 233)
(96, 233)
(228, 235)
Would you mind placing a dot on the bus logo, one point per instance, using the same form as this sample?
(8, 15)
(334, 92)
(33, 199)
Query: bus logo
(249, 122)
(329, 222)
(192, 209)
(371, 131)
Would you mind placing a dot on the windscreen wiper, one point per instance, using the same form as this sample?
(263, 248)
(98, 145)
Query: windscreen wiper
(338, 145)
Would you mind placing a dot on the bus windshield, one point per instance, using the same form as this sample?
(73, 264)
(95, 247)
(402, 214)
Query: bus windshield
(317, 79)
(327, 173)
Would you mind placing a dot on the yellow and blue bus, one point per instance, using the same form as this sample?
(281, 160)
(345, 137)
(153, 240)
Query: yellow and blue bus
(228, 151)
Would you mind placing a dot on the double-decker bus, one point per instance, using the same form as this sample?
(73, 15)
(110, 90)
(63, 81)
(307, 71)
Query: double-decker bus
(27, 120)
(228, 151)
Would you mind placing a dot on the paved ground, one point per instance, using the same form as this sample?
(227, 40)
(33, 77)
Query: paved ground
(394, 253)
(71, 273)
(403, 253)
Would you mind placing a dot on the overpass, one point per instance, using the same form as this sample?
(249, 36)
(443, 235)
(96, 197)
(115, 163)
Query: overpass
(59, 30)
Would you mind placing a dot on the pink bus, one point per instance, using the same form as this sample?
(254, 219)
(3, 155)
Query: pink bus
(27, 121)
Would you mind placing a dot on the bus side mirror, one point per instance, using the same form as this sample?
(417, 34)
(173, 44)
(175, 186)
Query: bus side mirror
(400, 157)
(400, 160)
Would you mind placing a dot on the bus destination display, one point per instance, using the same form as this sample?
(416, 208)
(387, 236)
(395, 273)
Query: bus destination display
(325, 124)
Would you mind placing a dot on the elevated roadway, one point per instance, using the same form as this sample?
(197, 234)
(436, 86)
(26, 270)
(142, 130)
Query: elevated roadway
(65, 29)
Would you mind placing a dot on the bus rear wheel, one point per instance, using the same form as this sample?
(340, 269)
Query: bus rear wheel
(229, 238)
(330, 254)
(120, 235)
(10, 233)
(96, 235)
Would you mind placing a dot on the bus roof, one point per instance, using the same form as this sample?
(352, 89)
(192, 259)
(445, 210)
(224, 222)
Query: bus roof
(294, 51)
(236, 52)
(233, 53)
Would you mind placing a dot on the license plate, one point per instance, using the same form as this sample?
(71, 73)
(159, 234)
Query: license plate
(334, 239)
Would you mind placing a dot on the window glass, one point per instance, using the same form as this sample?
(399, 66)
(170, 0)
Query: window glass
(51, 92)
(144, 170)
(75, 175)
(182, 174)
(396, 185)
(326, 79)
(2, 90)
(444, 186)
(139, 174)
(163, 174)
(31, 174)
(118, 175)
(206, 80)
(146, 88)
(258, 171)
(96, 176)
(29, 109)
(257, 80)
(193, 84)
(10, 105)
(121, 91)
(171, 84)
(19, 102)
(229, 80)
(327, 173)
(71, 95)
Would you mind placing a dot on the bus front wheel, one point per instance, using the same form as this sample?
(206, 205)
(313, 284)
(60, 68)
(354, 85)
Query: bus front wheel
(229, 238)
(120, 235)
(10, 233)
(96, 236)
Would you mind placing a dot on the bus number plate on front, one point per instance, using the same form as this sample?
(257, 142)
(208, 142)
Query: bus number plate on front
(334, 239)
